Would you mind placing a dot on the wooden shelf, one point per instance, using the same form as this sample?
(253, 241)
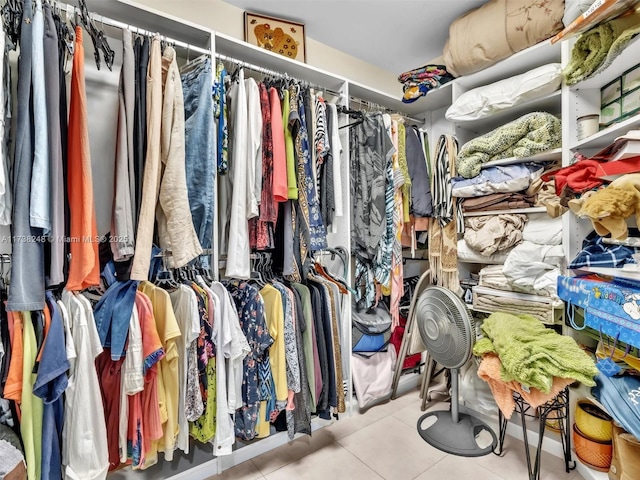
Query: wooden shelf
(547, 103)
(549, 156)
(498, 212)
(607, 136)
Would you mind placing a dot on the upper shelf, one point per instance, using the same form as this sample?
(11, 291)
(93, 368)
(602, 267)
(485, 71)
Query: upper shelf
(130, 12)
(521, 62)
(548, 156)
(548, 103)
(434, 100)
(382, 98)
(607, 136)
(627, 59)
(232, 47)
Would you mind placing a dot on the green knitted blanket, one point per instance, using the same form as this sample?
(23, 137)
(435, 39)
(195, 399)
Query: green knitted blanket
(530, 134)
(595, 49)
(532, 354)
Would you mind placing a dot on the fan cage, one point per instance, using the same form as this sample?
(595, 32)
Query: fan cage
(445, 327)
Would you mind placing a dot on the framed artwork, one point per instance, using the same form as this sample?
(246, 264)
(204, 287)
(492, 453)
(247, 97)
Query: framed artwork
(276, 35)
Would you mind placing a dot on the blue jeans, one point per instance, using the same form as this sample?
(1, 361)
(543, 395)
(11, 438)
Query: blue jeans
(200, 149)
(27, 268)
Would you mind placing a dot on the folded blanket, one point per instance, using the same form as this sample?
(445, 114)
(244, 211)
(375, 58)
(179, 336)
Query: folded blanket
(500, 179)
(528, 135)
(595, 49)
(493, 233)
(533, 268)
(498, 201)
(420, 81)
(502, 391)
(596, 253)
(532, 354)
(494, 303)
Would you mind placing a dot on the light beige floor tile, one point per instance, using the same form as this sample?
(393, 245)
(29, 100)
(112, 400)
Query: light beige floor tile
(404, 400)
(411, 413)
(347, 425)
(331, 462)
(452, 467)
(514, 461)
(392, 449)
(244, 471)
(292, 451)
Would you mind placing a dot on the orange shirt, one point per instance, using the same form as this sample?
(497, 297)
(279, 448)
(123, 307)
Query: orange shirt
(84, 267)
(13, 386)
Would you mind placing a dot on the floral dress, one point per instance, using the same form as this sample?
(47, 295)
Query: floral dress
(250, 306)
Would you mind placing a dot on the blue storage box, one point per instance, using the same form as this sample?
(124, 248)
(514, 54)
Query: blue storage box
(610, 307)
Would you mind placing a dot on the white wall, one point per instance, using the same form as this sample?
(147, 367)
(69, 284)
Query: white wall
(229, 19)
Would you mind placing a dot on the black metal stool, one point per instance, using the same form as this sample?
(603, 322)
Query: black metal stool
(559, 405)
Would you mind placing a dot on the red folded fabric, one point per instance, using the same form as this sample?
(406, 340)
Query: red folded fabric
(580, 177)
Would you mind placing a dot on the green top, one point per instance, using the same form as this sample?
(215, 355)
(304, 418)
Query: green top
(307, 340)
(31, 406)
(292, 181)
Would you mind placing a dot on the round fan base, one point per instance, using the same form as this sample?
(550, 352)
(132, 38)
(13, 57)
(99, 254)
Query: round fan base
(456, 438)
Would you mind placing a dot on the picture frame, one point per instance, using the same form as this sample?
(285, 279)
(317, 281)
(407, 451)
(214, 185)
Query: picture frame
(277, 35)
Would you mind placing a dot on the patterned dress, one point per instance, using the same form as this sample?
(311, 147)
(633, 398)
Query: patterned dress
(250, 306)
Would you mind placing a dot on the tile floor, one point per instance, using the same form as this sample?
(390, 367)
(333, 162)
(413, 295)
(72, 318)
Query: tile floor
(383, 443)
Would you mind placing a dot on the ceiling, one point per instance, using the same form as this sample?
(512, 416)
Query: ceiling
(396, 35)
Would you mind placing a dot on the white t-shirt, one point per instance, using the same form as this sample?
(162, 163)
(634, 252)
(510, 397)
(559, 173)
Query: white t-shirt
(85, 451)
(185, 307)
(230, 351)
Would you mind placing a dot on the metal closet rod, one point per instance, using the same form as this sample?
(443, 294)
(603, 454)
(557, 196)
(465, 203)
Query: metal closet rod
(370, 104)
(267, 71)
(70, 9)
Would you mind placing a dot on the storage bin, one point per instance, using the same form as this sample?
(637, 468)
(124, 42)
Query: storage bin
(631, 79)
(631, 103)
(611, 92)
(610, 113)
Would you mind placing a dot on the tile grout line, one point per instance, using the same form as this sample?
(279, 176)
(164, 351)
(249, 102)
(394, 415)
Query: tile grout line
(360, 460)
(425, 471)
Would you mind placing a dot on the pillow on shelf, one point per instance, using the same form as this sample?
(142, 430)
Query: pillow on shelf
(541, 229)
(488, 99)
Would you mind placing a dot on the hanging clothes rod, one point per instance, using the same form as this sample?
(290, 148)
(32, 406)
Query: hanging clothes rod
(377, 106)
(71, 10)
(168, 253)
(274, 73)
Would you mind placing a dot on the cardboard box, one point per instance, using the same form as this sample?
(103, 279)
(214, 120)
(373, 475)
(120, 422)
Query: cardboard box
(631, 102)
(611, 92)
(631, 79)
(610, 113)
